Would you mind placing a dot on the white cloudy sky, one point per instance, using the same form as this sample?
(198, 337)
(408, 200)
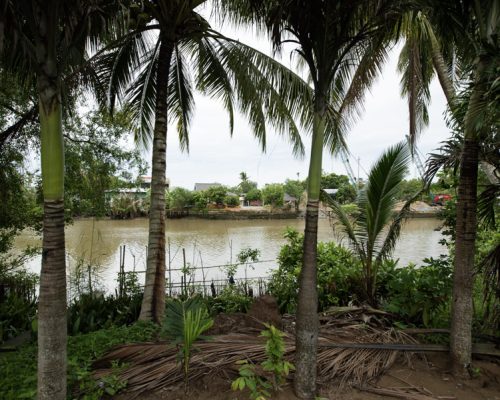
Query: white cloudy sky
(215, 157)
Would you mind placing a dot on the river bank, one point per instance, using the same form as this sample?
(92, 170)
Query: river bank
(419, 209)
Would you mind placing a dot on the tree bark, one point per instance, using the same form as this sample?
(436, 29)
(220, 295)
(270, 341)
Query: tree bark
(52, 323)
(52, 336)
(306, 341)
(463, 276)
(466, 227)
(153, 303)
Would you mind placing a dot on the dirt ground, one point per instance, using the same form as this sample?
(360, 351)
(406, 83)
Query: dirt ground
(427, 379)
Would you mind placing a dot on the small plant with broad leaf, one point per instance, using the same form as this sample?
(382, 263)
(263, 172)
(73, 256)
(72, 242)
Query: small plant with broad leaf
(275, 365)
(184, 323)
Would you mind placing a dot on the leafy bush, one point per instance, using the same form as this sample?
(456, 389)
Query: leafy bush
(90, 312)
(232, 201)
(18, 378)
(216, 194)
(338, 274)
(275, 365)
(419, 295)
(179, 198)
(125, 206)
(200, 200)
(273, 194)
(232, 299)
(253, 195)
(18, 304)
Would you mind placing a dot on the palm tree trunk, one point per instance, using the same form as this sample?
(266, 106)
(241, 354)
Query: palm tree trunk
(153, 303)
(463, 275)
(306, 341)
(52, 334)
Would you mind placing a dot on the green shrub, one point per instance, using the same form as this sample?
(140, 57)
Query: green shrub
(419, 295)
(230, 300)
(90, 312)
(338, 274)
(178, 199)
(19, 305)
(273, 194)
(232, 201)
(18, 378)
(276, 367)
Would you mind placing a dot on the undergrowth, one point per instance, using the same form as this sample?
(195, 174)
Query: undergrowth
(18, 378)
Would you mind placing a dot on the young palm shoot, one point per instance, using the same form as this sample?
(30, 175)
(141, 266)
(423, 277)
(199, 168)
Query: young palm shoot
(374, 232)
(184, 324)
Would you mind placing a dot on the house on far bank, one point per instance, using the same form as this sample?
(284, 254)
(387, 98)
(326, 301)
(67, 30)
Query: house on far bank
(331, 192)
(145, 182)
(198, 187)
(287, 199)
(137, 193)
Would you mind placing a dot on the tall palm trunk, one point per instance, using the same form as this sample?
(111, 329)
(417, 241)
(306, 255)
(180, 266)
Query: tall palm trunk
(463, 275)
(306, 341)
(52, 334)
(153, 303)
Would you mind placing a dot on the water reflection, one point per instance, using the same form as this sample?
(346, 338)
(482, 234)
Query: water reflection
(210, 243)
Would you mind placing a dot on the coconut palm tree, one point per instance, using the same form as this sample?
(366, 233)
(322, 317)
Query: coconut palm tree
(341, 44)
(367, 233)
(40, 43)
(156, 75)
(472, 28)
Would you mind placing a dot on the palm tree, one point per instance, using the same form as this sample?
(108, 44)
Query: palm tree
(376, 201)
(35, 36)
(153, 73)
(340, 43)
(472, 29)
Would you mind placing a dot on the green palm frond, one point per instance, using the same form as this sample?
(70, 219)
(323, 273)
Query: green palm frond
(180, 95)
(395, 228)
(378, 197)
(415, 66)
(141, 97)
(373, 233)
(367, 70)
(345, 224)
(486, 203)
(212, 78)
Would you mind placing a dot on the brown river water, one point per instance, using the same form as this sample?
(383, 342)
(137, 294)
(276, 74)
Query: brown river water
(209, 243)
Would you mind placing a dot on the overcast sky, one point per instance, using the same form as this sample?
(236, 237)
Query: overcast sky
(216, 157)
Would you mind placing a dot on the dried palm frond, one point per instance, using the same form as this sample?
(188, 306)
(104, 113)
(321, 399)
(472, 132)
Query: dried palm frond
(357, 365)
(153, 366)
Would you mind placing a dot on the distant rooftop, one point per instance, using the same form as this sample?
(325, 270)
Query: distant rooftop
(287, 198)
(204, 186)
(330, 191)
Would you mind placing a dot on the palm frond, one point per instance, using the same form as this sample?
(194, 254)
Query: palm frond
(487, 201)
(345, 224)
(140, 97)
(212, 78)
(415, 66)
(395, 228)
(180, 96)
(366, 72)
(378, 197)
(447, 158)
